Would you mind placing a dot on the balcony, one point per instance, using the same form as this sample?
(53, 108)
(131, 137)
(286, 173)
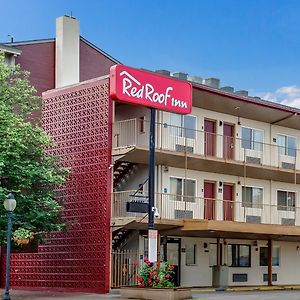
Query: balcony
(198, 150)
(196, 216)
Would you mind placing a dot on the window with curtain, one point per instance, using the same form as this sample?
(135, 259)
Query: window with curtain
(183, 189)
(286, 200)
(263, 256)
(287, 145)
(239, 255)
(252, 197)
(183, 125)
(252, 139)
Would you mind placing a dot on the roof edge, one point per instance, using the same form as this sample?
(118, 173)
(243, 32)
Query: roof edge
(99, 50)
(253, 100)
(29, 42)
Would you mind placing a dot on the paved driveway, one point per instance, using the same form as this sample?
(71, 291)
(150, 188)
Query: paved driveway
(254, 295)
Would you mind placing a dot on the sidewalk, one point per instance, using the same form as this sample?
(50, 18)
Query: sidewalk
(114, 294)
(48, 295)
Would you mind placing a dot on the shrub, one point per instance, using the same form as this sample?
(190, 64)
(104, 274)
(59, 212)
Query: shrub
(158, 275)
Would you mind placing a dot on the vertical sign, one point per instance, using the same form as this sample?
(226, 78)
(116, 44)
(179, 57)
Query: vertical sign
(152, 245)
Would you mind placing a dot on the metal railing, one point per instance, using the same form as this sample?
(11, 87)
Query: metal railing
(124, 268)
(134, 132)
(172, 207)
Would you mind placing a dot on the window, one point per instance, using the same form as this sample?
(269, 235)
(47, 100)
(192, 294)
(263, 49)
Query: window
(286, 200)
(184, 189)
(239, 255)
(183, 125)
(190, 255)
(213, 254)
(142, 124)
(252, 139)
(286, 145)
(263, 256)
(252, 197)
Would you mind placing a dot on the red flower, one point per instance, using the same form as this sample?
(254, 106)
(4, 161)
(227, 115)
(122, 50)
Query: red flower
(146, 259)
(149, 280)
(168, 276)
(140, 279)
(142, 285)
(171, 267)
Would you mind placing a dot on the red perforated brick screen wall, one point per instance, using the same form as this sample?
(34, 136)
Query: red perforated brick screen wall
(79, 120)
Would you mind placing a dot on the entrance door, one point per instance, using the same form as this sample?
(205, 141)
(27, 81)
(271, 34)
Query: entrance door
(209, 138)
(170, 250)
(228, 202)
(209, 200)
(228, 141)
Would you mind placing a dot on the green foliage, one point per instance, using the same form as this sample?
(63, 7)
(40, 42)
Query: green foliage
(26, 167)
(159, 275)
(22, 233)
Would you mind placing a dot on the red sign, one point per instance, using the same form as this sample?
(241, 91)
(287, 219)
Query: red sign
(149, 89)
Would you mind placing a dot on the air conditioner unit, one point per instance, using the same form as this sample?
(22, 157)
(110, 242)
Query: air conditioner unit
(286, 165)
(253, 219)
(183, 148)
(253, 160)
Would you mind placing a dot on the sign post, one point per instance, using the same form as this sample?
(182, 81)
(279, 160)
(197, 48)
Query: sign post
(152, 249)
(139, 87)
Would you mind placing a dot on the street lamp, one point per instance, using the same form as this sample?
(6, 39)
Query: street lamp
(10, 204)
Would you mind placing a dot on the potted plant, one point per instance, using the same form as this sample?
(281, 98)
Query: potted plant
(155, 281)
(22, 236)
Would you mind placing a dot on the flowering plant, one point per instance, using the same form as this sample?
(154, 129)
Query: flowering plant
(158, 275)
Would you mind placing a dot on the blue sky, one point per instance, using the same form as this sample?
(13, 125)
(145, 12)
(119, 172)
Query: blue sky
(248, 44)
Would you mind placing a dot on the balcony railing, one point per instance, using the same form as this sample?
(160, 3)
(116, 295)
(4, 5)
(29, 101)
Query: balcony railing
(174, 207)
(134, 132)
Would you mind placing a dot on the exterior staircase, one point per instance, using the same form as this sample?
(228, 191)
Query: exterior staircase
(122, 170)
(122, 237)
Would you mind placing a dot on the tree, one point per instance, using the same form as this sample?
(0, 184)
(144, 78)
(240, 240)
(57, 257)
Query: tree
(27, 168)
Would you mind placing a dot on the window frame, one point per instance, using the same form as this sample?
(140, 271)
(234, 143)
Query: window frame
(181, 130)
(286, 148)
(252, 142)
(210, 257)
(288, 208)
(261, 205)
(240, 266)
(279, 256)
(182, 196)
(194, 246)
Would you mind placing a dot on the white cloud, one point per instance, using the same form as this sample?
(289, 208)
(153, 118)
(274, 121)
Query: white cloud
(287, 95)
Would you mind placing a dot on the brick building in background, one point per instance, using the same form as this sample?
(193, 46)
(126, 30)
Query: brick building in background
(79, 259)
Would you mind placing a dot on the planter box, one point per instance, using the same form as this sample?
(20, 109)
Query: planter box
(156, 293)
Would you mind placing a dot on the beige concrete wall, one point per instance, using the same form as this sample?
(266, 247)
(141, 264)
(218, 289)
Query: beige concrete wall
(288, 271)
(67, 51)
(268, 213)
(167, 140)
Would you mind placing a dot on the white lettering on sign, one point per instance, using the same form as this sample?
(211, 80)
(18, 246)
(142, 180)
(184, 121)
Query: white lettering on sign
(133, 88)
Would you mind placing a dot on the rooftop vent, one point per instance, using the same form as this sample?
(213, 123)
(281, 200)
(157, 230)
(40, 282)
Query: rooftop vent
(256, 97)
(242, 93)
(212, 82)
(163, 72)
(180, 75)
(228, 89)
(196, 79)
